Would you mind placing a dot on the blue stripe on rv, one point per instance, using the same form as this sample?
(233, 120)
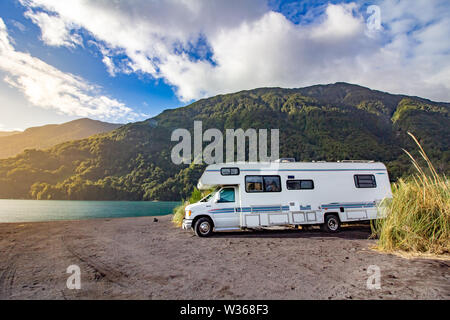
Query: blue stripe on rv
(249, 209)
(349, 205)
(286, 208)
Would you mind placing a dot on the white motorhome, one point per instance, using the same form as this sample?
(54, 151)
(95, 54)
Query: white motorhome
(258, 195)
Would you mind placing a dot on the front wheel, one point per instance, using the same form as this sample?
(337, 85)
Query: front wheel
(332, 224)
(203, 227)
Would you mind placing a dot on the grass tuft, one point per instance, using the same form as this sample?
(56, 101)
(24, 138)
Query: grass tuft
(418, 215)
(179, 212)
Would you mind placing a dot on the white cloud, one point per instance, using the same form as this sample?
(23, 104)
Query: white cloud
(55, 31)
(110, 67)
(252, 46)
(339, 23)
(47, 87)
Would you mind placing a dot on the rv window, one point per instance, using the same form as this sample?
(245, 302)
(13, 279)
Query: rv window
(300, 184)
(262, 184)
(365, 181)
(227, 195)
(253, 183)
(272, 184)
(229, 171)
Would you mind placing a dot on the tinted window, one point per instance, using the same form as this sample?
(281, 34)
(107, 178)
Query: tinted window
(262, 183)
(229, 171)
(254, 183)
(272, 184)
(300, 184)
(227, 195)
(365, 181)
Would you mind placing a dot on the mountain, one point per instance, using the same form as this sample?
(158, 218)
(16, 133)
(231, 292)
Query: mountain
(8, 133)
(323, 122)
(50, 135)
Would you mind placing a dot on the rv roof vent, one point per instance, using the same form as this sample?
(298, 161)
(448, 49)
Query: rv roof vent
(358, 161)
(285, 160)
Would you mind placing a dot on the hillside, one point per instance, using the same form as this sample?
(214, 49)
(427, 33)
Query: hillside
(8, 133)
(323, 122)
(50, 135)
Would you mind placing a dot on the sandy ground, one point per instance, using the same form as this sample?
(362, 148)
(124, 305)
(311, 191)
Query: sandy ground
(142, 259)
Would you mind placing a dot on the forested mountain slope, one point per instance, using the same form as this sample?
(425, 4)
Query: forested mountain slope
(324, 122)
(50, 135)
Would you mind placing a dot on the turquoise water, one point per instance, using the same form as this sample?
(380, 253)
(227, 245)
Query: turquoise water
(51, 210)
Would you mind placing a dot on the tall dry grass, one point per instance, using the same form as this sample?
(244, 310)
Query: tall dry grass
(418, 216)
(179, 212)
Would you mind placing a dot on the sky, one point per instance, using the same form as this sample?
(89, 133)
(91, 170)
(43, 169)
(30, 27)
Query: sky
(121, 61)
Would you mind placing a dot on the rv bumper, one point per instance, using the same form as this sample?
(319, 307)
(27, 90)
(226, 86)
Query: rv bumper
(187, 224)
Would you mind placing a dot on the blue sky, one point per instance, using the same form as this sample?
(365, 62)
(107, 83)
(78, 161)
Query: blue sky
(64, 60)
(138, 91)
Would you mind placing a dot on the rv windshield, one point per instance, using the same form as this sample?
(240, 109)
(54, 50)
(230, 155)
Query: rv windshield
(209, 196)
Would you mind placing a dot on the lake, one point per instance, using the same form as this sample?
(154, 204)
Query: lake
(51, 210)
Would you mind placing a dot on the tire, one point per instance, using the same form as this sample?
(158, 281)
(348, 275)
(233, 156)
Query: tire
(332, 224)
(203, 227)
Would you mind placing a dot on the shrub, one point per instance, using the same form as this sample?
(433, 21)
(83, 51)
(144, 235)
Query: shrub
(178, 212)
(418, 218)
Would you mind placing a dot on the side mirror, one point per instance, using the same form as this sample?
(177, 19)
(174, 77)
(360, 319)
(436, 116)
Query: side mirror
(217, 197)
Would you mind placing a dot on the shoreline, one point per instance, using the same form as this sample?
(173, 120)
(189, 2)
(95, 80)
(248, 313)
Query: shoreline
(80, 220)
(136, 258)
(22, 211)
(54, 200)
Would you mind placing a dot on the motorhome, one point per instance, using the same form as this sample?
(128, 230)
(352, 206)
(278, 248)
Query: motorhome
(288, 193)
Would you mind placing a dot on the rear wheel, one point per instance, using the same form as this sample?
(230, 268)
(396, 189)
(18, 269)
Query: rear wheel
(203, 227)
(332, 224)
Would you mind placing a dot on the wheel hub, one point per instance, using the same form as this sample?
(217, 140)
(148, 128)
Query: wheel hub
(204, 227)
(332, 224)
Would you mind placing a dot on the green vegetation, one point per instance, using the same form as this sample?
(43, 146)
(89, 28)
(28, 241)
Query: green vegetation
(325, 122)
(179, 212)
(418, 217)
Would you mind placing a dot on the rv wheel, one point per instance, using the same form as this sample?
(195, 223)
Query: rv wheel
(332, 223)
(203, 227)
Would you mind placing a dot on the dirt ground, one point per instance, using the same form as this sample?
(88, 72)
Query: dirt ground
(137, 258)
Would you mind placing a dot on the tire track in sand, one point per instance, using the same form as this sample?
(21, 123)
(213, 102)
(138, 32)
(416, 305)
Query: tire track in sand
(8, 274)
(101, 270)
